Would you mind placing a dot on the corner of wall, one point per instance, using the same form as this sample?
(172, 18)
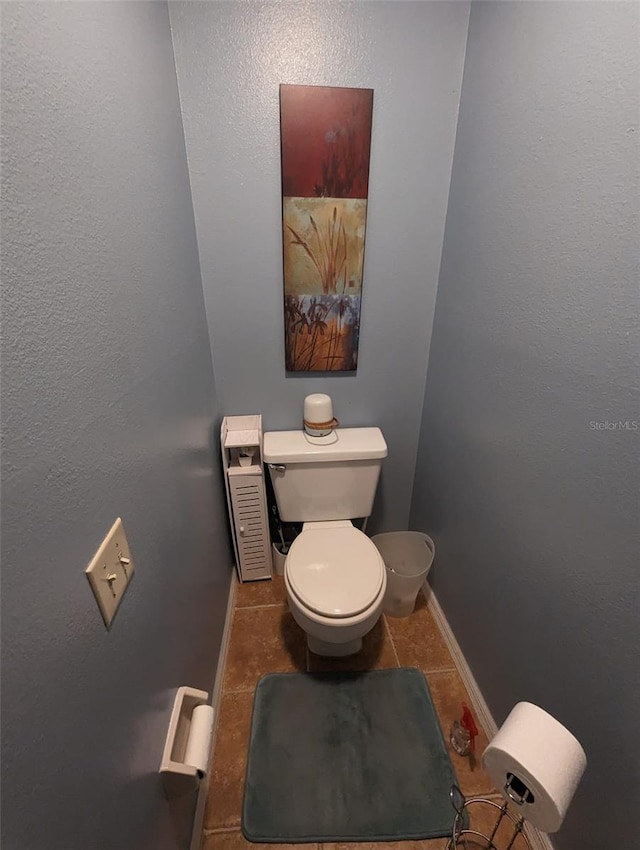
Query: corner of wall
(444, 230)
(195, 212)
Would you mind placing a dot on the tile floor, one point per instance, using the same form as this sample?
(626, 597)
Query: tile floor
(266, 639)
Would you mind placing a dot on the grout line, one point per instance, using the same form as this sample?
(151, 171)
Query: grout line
(241, 690)
(265, 605)
(220, 830)
(390, 636)
(439, 670)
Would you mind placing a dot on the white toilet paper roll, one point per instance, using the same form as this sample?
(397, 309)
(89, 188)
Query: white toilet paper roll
(198, 747)
(540, 754)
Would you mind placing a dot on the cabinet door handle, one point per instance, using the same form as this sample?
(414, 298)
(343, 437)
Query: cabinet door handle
(277, 467)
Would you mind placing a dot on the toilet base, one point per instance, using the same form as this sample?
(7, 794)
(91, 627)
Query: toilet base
(333, 650)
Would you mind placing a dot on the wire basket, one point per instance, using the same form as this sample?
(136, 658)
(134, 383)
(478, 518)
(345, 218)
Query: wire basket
(466, 836)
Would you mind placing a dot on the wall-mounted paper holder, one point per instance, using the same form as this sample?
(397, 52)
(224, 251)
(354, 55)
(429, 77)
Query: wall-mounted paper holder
(188, 744)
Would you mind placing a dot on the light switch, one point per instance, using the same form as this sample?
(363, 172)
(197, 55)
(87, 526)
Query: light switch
(110, 571)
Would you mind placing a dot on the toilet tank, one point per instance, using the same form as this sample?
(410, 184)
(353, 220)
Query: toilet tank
(324, 478)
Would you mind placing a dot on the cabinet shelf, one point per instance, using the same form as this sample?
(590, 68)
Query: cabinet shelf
(254, 469)
(237, 439)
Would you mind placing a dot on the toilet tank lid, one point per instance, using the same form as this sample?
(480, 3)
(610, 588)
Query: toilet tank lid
(342, 444)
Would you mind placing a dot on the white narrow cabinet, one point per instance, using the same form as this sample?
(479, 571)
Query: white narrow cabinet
(241, 444)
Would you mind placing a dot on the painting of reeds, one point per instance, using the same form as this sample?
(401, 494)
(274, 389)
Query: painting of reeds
(326, 138)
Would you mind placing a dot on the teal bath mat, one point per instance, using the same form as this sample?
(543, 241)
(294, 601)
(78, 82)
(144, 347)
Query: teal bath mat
(346, 757)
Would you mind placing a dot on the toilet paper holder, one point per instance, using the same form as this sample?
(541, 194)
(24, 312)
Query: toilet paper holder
(464, 831)
(517, 791)
(178, 777)
(521, 747)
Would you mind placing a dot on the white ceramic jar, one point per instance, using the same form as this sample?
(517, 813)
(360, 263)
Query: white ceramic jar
(318, 418)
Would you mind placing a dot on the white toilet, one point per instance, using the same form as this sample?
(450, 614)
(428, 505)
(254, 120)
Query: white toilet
(334, 575)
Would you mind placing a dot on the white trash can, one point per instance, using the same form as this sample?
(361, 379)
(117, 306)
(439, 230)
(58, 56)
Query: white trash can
(408, 556)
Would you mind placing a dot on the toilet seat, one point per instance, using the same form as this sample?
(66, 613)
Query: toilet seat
(335, 571)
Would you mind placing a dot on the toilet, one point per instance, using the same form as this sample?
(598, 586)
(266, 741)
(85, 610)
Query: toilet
(334, 576)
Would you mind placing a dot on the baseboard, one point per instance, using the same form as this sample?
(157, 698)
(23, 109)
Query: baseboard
(216, 696)
(538, 840)
(475, 695)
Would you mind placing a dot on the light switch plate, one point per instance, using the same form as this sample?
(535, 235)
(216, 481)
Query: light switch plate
(110, 571)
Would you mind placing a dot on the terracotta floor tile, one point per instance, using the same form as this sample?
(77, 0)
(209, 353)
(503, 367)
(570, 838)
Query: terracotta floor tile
(226, 783)
(483, 818)
(237, 841)
(418, 641)
(270, 592)
(376, 654)
(266, 639)
(263, 640)
(428, 844)
(448, 694)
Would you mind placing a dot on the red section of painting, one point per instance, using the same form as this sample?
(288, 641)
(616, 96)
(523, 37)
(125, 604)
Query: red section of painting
(326, 138)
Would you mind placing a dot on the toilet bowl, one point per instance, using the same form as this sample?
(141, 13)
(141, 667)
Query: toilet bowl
(335, 580)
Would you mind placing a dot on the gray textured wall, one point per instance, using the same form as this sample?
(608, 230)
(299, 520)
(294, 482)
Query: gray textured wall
(534, 512)
(231, 58)
(107, 408)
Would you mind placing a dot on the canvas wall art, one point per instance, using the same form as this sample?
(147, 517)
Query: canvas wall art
(326, 139)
